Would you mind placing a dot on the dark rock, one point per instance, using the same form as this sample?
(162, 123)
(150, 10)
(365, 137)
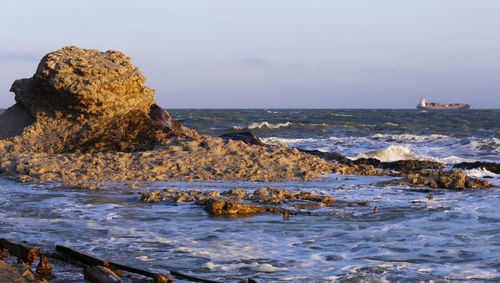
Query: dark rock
(490, 166)
(247, 137)
(411, 165)
(330, 156)
(400, 165)
(169, 125)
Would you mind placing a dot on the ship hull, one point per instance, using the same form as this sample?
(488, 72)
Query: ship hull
(444, 107)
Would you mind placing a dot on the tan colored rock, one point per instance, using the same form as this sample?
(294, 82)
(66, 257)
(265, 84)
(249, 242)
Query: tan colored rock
(237, 202)
(84, 81)
(224, 207)
(444, 179)
(18, 273)
(86, 100)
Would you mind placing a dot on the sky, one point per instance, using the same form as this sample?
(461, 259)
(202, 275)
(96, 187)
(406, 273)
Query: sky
(274, 53)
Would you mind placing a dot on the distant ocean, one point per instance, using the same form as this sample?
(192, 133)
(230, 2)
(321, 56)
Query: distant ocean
(447, 136)
(455, 235)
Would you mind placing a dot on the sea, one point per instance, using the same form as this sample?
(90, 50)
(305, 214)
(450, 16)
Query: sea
(417, 234)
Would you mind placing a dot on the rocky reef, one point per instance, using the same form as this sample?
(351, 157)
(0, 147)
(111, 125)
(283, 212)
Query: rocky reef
(240, 202)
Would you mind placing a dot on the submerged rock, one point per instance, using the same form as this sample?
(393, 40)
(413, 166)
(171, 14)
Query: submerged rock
(88, 100)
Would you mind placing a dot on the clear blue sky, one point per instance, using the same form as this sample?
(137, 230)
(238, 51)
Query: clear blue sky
(274, 53)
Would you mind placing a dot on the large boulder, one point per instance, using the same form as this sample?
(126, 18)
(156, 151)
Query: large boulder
(88, 100)
(84, 81)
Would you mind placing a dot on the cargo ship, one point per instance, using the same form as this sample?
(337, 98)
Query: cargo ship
(423, 104)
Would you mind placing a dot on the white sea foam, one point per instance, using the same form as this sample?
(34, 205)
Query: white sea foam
(390, 124)
(276, 140)
(263, 267)
(341, 115)
(480, 173)
(263, 125)
(393, 153)
(410, 137)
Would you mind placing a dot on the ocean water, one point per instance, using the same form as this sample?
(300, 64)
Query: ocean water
(453, 236)
(448, 136)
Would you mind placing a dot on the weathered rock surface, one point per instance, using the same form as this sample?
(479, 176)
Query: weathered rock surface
(87, 100)
(445, 179)
(239, 202)
(205, 158)
(84, 81)
(224, 207)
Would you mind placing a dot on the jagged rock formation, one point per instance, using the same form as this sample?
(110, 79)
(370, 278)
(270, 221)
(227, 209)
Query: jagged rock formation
(88, 100)
(445, 179)
(240, 202)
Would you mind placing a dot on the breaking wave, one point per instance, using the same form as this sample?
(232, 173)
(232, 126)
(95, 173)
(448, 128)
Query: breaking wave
(263, 125)
(393, 153)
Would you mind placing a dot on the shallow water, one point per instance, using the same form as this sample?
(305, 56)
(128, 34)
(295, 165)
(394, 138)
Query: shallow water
(454, 236)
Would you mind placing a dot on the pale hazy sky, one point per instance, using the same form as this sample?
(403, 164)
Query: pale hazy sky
(274, 53)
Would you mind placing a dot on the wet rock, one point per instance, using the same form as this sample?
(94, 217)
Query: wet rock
(87, 100)
(400, 165)
(333, 156)
(224, 207)
(100, 274)
(239, 202)
(238, 193)
(247, 137)
(43, 269)
(178, 196)
(18, 273)
(444, 179)
(250, 280)
(490, 166)
(163, 278)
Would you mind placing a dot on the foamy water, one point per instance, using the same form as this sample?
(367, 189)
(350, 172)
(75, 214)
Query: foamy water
(401, 147)
(455, 236)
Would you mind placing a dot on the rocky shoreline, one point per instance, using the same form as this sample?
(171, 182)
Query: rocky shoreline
(85, 118)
